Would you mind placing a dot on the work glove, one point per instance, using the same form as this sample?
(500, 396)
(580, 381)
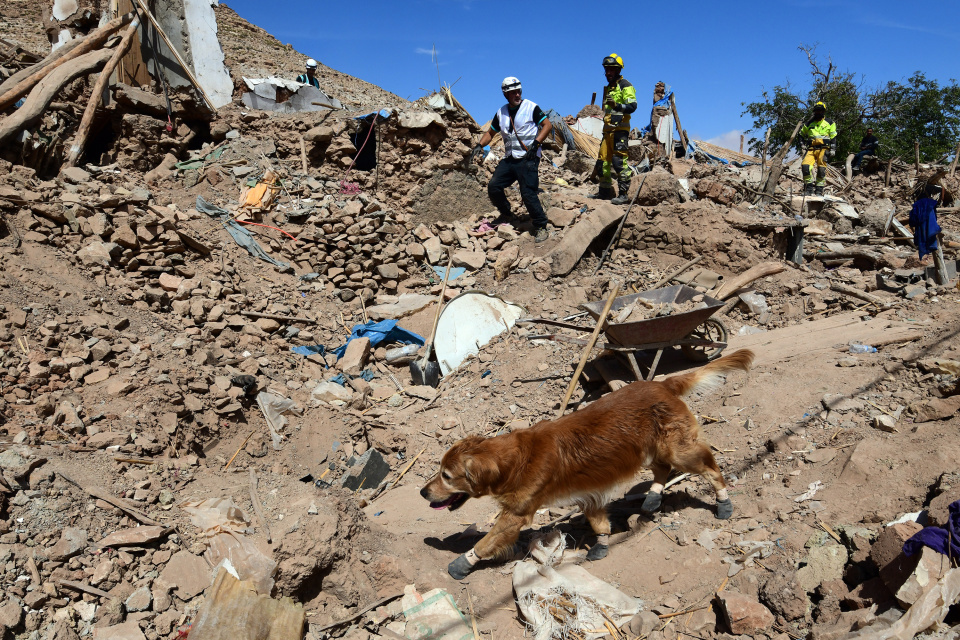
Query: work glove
(476, 153)
(532, 150)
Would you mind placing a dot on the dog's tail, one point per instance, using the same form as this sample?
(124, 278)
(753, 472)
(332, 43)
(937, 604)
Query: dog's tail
(710, 375)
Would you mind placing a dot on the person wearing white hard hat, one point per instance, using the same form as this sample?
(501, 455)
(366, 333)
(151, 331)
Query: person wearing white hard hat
(523, 126)
(310, 77)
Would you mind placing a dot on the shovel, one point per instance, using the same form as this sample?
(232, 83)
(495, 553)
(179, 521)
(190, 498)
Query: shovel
(423, 370)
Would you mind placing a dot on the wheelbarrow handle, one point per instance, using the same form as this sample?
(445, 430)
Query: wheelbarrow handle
(554, 323)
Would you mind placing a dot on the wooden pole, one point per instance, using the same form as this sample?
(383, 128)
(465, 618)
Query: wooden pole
(729, 287)
(741, 143)
(48, 89)
(763, 158)
(886, 175)
(593, 100)
(87, 121)
(601, 323)
(953, 165)
(916, 151)
(776, 166)
(676, 117)
(173, 50)
(940, 263)
(91, 43)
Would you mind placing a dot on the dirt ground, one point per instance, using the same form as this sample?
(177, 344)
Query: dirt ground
(127, 318)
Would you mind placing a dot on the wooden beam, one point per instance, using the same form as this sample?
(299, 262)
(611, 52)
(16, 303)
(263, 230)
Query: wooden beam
(86, 122)
(176, 54)
(40, 70)
(48, 88)
(676, 118)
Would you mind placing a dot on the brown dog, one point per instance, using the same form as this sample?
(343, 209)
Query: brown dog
(583, 458)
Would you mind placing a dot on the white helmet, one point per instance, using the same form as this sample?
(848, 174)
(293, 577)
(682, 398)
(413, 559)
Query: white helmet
(510, 84)
(311, 63)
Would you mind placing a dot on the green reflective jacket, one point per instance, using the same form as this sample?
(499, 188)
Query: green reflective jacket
(819, 130)
(624, 97)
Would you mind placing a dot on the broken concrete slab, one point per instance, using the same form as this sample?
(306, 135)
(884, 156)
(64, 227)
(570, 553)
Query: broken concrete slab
(367, 471)
(134, 537)
(72, 541)
(124, 631)
(189, 574)
(930, 567)
(355, 357)
(286, 96)
(823, 565)
(565, 256)
(407, 304)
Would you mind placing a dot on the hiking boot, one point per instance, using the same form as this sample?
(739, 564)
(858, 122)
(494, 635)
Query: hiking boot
(605, 193)
(818, 190)
(808, 189)
(624, 190)
(540, 234)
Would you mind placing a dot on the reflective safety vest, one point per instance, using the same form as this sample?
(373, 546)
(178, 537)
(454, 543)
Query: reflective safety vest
(518, 132)
(820, 130)
(305, 79)
(625, 97)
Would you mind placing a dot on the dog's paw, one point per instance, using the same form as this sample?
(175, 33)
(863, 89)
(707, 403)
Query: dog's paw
(652, 502)
(460, 568)
(597, 552)
(724, 509)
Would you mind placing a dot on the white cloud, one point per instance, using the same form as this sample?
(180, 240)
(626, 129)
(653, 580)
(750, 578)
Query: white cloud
(730, 140)
(426, 52)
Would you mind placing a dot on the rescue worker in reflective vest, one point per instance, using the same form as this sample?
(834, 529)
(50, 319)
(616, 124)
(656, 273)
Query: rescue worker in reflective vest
(821, 134)
(310, 77)
(523, 127)
(619, 101)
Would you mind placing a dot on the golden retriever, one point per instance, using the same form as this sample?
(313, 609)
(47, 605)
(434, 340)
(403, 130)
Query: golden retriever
(583, 458)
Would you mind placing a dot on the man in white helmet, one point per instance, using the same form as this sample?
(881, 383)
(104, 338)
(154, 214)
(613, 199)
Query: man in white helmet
(310, 77)
(523, 127)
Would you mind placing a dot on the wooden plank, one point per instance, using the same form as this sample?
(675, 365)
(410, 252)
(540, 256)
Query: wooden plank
(133, 68)
(823, 335)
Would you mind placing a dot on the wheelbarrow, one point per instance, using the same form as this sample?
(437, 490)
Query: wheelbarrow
(700, 337)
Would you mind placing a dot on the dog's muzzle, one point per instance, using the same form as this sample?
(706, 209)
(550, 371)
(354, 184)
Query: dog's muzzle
(452, 503)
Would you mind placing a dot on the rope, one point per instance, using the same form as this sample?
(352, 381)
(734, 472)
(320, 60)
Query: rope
(267, 226)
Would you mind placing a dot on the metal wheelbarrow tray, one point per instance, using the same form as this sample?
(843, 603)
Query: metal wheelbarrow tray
(701, 337)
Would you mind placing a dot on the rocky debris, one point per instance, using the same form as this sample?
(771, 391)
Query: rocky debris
(743, 614)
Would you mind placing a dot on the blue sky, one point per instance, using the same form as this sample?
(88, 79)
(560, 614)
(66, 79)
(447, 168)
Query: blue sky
(714, 55)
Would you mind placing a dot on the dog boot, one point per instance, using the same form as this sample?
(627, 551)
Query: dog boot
(597, 552)
(652, 502)
(460, 568)
(724, 509)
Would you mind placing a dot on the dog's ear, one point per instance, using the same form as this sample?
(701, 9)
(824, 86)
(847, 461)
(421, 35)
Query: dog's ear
(482, 472)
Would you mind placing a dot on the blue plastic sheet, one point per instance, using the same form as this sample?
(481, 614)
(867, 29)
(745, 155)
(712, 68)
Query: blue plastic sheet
(455, 272)
(377, 332)
(341, 378)
(383, 114)
(310, 349)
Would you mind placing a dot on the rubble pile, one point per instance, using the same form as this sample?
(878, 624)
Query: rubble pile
(226, 309)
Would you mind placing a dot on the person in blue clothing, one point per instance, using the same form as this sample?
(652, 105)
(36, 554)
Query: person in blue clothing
(868, 147)
(523, 126)
(923, 221)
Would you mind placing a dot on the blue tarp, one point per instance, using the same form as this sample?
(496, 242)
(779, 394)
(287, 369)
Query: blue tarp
(377, 332)
(383, 114)
(662, 102)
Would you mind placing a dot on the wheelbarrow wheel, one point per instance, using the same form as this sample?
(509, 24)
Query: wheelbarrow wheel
(712, 330)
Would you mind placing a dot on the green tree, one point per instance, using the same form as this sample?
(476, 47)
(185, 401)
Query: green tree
(782, 108)
(919, 110)
(899, 113)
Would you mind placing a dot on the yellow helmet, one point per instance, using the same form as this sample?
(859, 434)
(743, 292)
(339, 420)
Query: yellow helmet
(820, 105)
(613, 60)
